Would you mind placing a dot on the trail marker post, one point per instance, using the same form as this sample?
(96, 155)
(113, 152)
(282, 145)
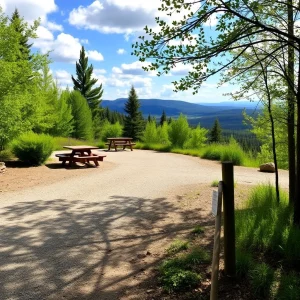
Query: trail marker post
(229, 222)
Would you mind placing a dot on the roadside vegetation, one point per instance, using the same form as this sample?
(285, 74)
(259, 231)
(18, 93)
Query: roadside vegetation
(185, 265)
(268, 245)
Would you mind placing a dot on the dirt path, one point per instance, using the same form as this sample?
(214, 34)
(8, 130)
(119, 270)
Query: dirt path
(96, 233)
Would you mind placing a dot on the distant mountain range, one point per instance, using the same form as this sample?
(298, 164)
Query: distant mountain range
(228, 113)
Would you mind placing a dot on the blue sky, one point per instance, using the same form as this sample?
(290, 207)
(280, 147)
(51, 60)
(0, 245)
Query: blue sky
(107, 29)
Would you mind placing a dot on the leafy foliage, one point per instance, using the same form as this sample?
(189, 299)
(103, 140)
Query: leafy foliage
(150, 133)
(83, 124)
(33, 148)
(197, 138)
(110, 130)
(179, 131)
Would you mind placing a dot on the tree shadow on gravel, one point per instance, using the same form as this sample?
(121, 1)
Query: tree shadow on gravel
(72, 249)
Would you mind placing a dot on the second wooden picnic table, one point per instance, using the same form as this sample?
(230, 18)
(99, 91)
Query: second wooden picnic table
(120, 142)
(82, 153)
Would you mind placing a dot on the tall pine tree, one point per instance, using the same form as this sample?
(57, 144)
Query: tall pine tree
(163, 118)
(216, 132)
(23, 35)
(134, 122)
(84, 84)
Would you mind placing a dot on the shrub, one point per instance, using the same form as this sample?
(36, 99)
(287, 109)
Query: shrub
(5, 155)
(179, 131)
(150, 134)
(197, 138)
(230, 152)
(111, 130)
(179, 280)
(33, 148)
(163, 135)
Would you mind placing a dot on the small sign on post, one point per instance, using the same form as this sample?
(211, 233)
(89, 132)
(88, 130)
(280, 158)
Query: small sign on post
(214, 203)
(216, 210)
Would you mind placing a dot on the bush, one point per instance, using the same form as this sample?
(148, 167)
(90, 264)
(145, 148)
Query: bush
(197, 138)
(150, 133)
(111, 130)
(230, 152)
(33, 148)
(5, 155)
(179, 280)
(179, 131)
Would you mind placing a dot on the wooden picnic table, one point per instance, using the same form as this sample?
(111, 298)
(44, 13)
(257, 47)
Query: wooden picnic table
(82, 153)
(120, 142)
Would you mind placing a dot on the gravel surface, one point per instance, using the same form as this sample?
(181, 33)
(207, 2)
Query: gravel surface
(94, 233)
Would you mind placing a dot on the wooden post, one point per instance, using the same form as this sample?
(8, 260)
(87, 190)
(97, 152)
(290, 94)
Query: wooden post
(229, 222)
(216, 253)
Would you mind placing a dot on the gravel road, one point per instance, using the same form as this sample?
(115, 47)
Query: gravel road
(85, 237)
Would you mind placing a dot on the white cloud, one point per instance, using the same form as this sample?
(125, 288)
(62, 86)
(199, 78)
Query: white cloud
(115, 16)
(30, 9)
(99, 71)
(135, 68)
(84, 41)
(65, 48)
(94, 55)
(181, 70)
(121, 51)
(63, 77)
(53, 26)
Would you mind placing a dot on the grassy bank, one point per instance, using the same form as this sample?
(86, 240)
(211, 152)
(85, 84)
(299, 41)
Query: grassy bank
(268, 245)
(221, 152)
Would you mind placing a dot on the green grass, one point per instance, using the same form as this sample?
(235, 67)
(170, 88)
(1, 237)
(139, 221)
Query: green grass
(267, 242)
(155, 147)
(221, 152)
(288, 287)
(261, 279)
(180, 273)
(177, 246)
(215, 183)
(198, 230)
(6, 155)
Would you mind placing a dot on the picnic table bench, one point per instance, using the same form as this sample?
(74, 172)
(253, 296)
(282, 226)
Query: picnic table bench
(82, 154)
(116, 142)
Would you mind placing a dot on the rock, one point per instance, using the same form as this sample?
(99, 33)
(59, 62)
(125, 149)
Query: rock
(2, 167)
(268, 167)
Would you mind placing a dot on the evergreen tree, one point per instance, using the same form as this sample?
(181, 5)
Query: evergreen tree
(216, 132)
(163, 118)
(84, 84)
(23, 34)
(134, 123)
(83, 124)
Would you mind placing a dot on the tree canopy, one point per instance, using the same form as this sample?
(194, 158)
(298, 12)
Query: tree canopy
(248, 36)
(84, 83)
